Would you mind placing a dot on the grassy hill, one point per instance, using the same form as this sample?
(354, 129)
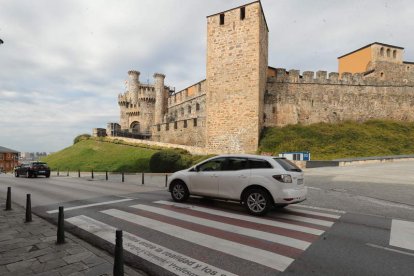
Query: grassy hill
(101, 156)
(348, 139)
(324, 141)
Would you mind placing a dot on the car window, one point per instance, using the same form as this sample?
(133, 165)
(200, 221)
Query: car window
(212, 165)
(287, 165)
(235, 164)
(259, 164)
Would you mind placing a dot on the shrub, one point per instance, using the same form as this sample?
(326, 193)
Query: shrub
(168, 161)
(81, 137)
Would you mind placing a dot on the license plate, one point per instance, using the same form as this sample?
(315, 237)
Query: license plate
(300, 181)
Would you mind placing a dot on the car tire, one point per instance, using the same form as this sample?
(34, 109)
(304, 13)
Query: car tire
(179, 191)
(16, 174)
(257, 202)
(28, 175)
(47, 175)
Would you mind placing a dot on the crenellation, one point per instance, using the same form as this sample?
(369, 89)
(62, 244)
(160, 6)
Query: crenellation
(321, 77)
(357, 79)
(294, 75)
(280, 74)
(334, 77)
(346, 78)
(308, 76)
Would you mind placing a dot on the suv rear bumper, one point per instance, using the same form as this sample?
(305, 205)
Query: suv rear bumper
(291, 195)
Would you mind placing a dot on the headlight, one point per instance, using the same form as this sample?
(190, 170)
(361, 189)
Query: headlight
(285, 178)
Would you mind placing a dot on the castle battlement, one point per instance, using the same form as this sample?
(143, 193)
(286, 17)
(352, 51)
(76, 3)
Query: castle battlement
(322, 77)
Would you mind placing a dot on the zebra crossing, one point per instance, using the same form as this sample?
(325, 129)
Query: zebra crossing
(269, 243)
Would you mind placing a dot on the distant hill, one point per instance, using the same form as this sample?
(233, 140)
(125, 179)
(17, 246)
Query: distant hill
(343, 140)
(101, 156)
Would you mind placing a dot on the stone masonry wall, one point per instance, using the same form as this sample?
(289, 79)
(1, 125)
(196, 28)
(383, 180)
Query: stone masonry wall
(189, 132)
(291, 100)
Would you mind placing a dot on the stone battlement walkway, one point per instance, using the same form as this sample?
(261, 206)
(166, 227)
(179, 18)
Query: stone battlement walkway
(30, 249)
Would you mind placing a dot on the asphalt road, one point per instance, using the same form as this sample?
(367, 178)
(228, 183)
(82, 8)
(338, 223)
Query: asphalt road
(352, 223)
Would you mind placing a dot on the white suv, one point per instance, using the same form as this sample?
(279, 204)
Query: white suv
(258, 182)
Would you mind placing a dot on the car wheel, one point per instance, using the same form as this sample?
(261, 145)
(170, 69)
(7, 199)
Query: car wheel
(48, 175)
(28, 175)
(257, 202)
(179, 191)
(16, 174)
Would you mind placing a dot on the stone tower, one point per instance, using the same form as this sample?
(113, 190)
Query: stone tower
(159, 98)
(237, 51)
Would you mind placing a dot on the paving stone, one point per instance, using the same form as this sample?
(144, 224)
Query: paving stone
(93, 261)
(77, 257)
(49, 273)
(101, 270)
(51, 256)
(21, 264)
(69, 269)
(5, 260)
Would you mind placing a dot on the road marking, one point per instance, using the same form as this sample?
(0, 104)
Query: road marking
(313, 213)
(313, 188)
(305, 219)
(170, 260)
(301, 207)
(402, 234)
(263, 257)
(90, 205)
(246, 218)
(390, 249)
(303, 245)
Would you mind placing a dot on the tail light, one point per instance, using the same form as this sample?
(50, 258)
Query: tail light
(285, 178)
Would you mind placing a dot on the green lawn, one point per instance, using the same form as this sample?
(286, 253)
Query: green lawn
(101, 156)
(348, 139)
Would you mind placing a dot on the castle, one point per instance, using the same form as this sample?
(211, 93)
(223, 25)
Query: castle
(242, 94)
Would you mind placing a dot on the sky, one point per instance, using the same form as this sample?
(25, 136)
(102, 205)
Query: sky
(63, 63)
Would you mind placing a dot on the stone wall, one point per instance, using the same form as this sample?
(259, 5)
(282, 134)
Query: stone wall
(189, 132)
(291, 99)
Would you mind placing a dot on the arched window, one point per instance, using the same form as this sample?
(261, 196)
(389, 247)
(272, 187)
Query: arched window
(135, 127)
(394, 54)
(388, 52)
(382, 51)
(189, 109)
(382, 75)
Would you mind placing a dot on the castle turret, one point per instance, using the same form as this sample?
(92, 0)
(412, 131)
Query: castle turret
(133, 85)
(159, 98)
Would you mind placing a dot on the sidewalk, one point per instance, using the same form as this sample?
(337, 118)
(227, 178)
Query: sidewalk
(30, 249)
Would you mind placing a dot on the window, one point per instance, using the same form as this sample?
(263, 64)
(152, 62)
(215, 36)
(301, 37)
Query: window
(158, 127)
(221, 18)
(185, 123)
(189, 109)
(388, 52)
(394, 54)
(212, 165)
(195, 122)
(382, 51)
(197, 106)
(287, 165)
(175, 125)
(242, 13)
(235, 164)
(273, 109)
(167, 126)
(259, 164)
(382, 74)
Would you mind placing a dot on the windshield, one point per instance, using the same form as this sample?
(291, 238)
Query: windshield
(287, 165)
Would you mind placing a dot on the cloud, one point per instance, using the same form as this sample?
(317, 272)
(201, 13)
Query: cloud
(63, 63)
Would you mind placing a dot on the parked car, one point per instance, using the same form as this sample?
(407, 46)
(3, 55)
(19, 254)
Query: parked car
(257, 182)
(32, 169)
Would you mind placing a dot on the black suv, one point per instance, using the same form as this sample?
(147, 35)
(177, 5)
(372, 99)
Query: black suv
(32, 170)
